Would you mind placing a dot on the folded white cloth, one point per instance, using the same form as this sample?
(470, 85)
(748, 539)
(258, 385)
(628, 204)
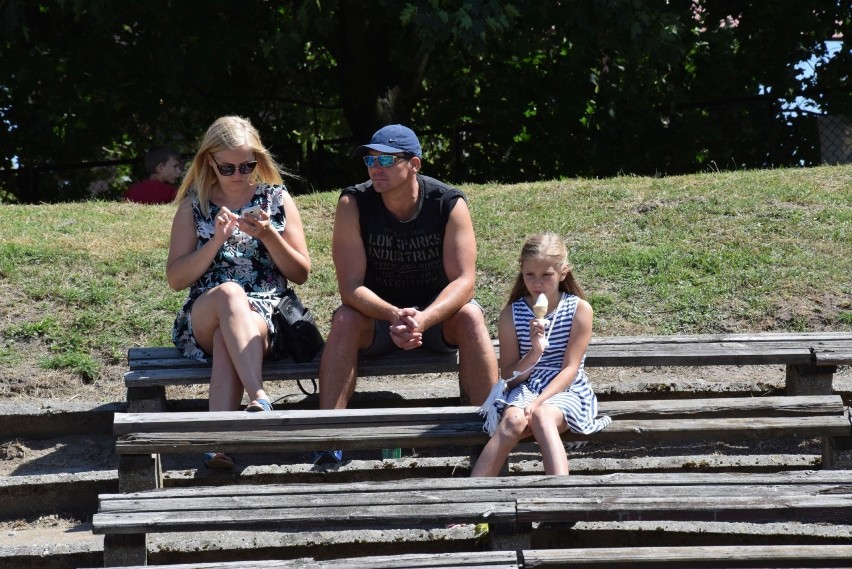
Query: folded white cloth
(489, 409)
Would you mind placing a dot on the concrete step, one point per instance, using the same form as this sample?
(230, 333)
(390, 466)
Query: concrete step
(46, 503)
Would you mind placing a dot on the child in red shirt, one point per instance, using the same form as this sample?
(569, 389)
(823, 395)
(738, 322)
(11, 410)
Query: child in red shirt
(163, 166)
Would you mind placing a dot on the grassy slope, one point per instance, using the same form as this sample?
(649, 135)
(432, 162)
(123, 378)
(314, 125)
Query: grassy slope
(723, 252)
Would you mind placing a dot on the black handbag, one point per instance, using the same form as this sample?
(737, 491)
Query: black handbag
(296, 332)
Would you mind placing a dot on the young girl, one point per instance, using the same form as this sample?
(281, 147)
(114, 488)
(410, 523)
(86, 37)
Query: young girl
(547, 391)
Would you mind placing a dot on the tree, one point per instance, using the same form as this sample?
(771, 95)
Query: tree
(598, 88)
(500, 91)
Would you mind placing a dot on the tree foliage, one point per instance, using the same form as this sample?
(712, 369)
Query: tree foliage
(499, 91)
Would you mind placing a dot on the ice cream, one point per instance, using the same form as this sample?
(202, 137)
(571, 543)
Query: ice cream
(540, 310)
(540, 307)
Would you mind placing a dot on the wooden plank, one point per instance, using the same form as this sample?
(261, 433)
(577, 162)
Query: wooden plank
(541, 484)
(298, 440)
(220, 420)
(314, 504)
(671, 354)
(139, 354)
(300, 563)
(465, 434)
(789, 337)
(466, 559)
(760, 509)
(281, 431)
(828, 555)
(730, 428)
(166, 366)
(335, 517)
(462, 559)
(833, 356)
(386, 505)
(780, 406)
(157, 358)
(181, 374)
(693, 508)
(659, 354)
(725, 407)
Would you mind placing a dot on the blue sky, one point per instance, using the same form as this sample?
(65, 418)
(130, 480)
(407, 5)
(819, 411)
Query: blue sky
(808, 68)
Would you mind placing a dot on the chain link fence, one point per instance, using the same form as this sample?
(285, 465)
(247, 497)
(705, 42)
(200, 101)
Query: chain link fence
(835, 139)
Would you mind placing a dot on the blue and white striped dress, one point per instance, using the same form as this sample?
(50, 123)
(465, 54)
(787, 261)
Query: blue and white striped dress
(578, 403)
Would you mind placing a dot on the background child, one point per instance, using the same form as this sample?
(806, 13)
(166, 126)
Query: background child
(549, 391)
(163, 166)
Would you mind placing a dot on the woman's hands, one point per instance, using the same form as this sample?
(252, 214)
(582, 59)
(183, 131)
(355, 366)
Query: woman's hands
(257, 227)
(225, 224)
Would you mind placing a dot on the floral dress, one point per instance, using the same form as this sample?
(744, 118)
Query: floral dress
(242, 259)
(578, 402)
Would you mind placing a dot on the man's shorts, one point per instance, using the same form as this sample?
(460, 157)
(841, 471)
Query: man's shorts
(433, 339)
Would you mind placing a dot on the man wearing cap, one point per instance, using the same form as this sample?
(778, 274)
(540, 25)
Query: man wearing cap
(405, 254)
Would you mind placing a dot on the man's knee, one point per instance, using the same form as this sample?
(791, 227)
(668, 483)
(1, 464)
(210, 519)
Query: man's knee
(466, 324)
(350, 326)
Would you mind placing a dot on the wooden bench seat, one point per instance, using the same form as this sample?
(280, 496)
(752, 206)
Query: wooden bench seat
(142, 437)
(811, 496)
(811, 359)
(455, 560)
(730, 557)
(776, 556)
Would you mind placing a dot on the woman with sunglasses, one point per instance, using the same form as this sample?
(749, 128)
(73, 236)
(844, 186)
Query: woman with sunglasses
(236, 240)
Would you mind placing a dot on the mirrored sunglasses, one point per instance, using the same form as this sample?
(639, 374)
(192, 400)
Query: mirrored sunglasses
(229, 169)
(383, 160)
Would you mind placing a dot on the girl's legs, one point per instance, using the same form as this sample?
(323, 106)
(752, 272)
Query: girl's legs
(512, 428)
(547, 423)
(225, 325)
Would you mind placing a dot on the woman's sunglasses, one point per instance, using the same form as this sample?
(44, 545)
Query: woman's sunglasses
(229, 169)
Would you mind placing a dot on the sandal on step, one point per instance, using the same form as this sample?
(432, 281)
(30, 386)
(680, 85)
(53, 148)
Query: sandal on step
(259, 405)
(218, 461)
(457, 526)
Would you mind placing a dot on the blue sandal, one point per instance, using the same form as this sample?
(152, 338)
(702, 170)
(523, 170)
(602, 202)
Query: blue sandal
(327, 457)
(259, 405)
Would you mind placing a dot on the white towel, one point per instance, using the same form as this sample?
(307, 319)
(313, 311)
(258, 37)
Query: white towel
(489, 408)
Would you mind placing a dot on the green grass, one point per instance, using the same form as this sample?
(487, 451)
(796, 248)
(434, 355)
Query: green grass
(722, 252)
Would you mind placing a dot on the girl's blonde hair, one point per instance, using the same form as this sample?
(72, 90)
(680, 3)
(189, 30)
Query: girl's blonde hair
(224, 134)
(549, 247)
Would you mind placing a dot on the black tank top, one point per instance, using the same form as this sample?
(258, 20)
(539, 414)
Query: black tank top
(405, 259)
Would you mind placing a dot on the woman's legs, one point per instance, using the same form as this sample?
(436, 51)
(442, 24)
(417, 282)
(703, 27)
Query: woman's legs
(547, 423)
(225, 326)
(512, 428)
(226, 390)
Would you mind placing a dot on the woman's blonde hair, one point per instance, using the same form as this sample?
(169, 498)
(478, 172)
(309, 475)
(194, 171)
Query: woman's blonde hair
(224, 134)
(549, 247)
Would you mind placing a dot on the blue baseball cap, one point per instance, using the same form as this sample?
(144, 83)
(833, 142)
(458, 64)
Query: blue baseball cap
(392, 139)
